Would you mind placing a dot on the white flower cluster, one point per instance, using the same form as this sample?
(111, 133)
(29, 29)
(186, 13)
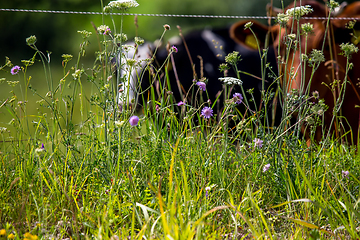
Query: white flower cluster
(231, 81)
(102, 29)
(299, 11)
(122, 4)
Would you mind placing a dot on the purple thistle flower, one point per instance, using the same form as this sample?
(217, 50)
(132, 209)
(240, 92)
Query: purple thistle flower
(266, 167)
(201, 85)
(258, 142)
(134, 120)
(345, 174)
(238, 98)
(174, 49)
(15, 70)
(181, 103)
(207, 112)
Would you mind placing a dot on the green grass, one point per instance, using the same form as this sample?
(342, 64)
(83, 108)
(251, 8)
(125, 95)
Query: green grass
(73, 167)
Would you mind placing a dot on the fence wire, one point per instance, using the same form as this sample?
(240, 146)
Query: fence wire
(165, 15)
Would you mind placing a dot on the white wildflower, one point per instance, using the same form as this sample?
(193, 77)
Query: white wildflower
(231, 81)
(122, 4)
(298, 12)
(266, 167)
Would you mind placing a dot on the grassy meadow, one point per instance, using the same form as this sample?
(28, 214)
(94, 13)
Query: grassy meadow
(75, 166)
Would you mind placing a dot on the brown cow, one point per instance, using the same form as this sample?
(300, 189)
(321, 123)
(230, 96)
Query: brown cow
(342, 97)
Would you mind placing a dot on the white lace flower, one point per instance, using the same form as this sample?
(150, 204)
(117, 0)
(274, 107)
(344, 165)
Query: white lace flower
(231, 81)
(122, 4)
(299, 11)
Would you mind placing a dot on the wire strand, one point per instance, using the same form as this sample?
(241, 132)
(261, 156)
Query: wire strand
(165, 15)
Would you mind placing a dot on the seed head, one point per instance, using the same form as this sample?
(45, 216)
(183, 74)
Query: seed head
(233, 58)
(31, 40)
(167, 27)
(139, 41)
(248, 25)
(348, 49)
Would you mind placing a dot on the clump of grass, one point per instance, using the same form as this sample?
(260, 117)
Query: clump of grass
(81, 168)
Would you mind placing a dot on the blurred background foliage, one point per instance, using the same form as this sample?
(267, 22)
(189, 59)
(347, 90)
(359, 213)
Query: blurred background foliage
(57, 33)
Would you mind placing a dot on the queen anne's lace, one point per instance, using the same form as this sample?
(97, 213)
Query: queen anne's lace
(299, 11)
(122, 4)
(231, 81)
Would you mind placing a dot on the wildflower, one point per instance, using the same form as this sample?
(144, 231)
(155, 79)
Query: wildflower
(248, 25)
(207, 189)
(266, 167)
(333, 5)
(107, 31)
(134, 120)
(40, 149)
(345, 174)
(11, 236)
(67, 57)
(139, 41)
(174, 49)
(233, 58)
(207, 112)
(231, 81)
(167, 27)
(307, 28)
(157, 108)
(31, 40)
(131, 62)
(238, 98)
(258, 142)
(201, 85)
(119, 123)
(12, 83)
(348, 49)
(103, 29)
(282, 19)
(77, 74)
(298, 12)
(122, 4)
(316, 56)
(15, 70)
(223, 67)
(292, 36)
(85, 34)
(2, 232)
(315, 94)
(121, 37)
(180, 103)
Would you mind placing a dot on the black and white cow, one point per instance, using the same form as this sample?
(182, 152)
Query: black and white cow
(207, 49)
